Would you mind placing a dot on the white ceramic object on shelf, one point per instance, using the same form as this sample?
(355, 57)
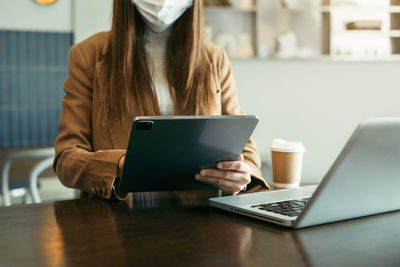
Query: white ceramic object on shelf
(263, 50)
(287, 45)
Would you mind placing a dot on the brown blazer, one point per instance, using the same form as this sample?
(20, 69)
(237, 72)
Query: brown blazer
(87, 154)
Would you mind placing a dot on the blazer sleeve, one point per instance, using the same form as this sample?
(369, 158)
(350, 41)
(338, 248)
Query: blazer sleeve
(75, 162)
(230, 106)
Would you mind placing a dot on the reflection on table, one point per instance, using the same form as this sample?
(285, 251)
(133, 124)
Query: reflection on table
(179, 229)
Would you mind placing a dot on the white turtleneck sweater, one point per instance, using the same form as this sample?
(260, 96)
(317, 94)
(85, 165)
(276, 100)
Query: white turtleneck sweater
(155, 45)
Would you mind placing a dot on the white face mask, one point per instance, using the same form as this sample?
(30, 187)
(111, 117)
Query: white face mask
(160, 14)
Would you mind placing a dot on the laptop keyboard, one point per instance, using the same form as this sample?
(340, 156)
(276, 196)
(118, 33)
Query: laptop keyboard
(291, 208)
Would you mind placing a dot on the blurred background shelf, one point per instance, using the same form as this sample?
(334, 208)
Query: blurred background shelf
(229, 9)
(361, 29)
(388, 9)
(239, 38)
(281, 29)
(262, 29)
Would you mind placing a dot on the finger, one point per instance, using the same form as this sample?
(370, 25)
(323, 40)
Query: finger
(239, 159)
(239, 166)
(234, 176)
(230, 191)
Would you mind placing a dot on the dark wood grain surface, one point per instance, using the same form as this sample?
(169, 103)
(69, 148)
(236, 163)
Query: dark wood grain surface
(183, 231)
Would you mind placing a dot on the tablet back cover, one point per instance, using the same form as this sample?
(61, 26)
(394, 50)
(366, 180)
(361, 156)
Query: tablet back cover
(165, 153)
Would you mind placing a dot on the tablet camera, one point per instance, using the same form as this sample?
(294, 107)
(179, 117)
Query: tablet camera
(144, 125)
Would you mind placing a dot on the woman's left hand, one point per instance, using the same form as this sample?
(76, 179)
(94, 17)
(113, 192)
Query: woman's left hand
(231, 176)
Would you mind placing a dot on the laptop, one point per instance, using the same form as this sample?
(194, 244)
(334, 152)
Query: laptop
(364, 180)
(165, 152)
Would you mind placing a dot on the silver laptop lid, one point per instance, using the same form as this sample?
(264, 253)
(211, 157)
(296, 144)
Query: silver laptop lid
(365, 178)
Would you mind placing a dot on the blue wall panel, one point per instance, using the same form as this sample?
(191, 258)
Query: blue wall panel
(33, 66)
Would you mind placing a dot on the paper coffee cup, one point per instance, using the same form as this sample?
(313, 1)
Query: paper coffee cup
(287, 161)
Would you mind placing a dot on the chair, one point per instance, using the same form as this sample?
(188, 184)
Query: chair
(47, 156)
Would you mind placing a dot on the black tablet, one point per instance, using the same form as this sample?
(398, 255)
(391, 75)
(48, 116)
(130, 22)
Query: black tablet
(165, 153)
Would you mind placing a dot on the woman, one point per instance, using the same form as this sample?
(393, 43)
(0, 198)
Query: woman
(153, 62)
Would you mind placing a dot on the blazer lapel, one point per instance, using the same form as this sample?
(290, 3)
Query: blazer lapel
(118, 134)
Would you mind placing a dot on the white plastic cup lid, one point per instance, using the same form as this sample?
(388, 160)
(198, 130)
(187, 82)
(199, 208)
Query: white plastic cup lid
(281, 145)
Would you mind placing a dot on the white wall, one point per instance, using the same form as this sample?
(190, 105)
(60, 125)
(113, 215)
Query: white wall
(82, 17)
(317, 102)
(26, 15)
(91, 16)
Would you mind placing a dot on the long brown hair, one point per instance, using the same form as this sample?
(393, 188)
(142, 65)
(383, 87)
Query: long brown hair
(128, 88)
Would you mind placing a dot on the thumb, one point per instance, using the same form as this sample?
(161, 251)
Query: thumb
(241, 157)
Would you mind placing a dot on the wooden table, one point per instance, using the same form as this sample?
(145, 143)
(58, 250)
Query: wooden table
(179, 232)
